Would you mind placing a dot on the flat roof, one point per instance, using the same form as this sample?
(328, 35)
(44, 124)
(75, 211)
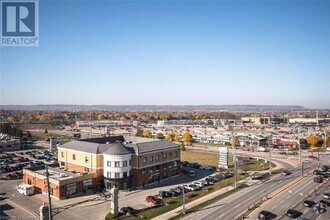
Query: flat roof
(57, 173)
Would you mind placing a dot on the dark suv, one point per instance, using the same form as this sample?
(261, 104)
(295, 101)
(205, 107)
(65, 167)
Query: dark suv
(266, 215)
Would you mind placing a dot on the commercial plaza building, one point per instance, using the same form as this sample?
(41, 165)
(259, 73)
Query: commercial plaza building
(108, 162)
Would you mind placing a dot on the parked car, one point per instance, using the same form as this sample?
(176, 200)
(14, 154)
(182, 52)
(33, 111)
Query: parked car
(175, 193)
(192, 173)
(164, 194)
(199, 183)
(127, 210)
(316, 172)
(266, 215)
(2, 197)
(153, 200)
(325, 168)
(326, 195)
(195, 165)
(286, 172)
(210, 180)
(318, 179)
(191, 187)
(325, 203)
(184, 163)
(312, 157)
(292, 213)
(309, 203)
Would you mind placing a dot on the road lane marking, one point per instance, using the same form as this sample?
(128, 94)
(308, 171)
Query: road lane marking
(274, 207)
(288, 197)
(281, 202)
(237, 205)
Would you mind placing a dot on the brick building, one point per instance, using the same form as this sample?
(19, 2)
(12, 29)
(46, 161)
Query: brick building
(108, 162)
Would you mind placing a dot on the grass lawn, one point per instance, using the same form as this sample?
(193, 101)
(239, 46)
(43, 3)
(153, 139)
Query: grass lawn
(42, 136)
(212, 159)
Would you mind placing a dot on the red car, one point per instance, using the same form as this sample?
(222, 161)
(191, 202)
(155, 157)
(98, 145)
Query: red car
(153, 200)
(312, 157)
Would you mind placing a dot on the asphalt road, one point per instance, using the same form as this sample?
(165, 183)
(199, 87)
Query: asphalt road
(293, 198)
(235, 204)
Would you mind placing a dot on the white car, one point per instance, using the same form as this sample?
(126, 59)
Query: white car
(326, 195)
(199, 184)
(191, 187)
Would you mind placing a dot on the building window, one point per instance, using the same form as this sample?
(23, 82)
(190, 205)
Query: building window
(157, 167)
(144, 170)
(151, 169)
(174, 163)
(151, 159)
(73, 157)
(51, 190)
(29, 181)
(116, 175)
(109, 163)
(175, 154)
(62, 163)
(124, 174)
(165, 155)
(86, 159)
(109, 174)
(157, 157)
(62, 154)
(86, 170)
(117, 163)
(144, 160)
(170, 154)
(125, 163)
(130, 162)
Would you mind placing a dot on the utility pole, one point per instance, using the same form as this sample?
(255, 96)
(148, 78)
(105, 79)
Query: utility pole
(49, 199)
(90, 127)
(183, 202)
(302, 168)
(299, 145)
(234, 157)
(270, 158)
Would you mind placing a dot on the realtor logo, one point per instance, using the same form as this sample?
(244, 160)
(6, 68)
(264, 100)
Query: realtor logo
(20, 23)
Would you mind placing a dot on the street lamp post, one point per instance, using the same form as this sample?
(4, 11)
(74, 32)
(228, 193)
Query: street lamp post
(234, 157)
(183, 202)
(270, 158)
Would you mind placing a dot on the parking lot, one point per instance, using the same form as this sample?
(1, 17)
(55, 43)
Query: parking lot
(12, 164)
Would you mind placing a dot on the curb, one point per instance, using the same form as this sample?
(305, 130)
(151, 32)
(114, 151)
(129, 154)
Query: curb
(23, 208)
(246, 213)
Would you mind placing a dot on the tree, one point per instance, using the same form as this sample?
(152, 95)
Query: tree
(187, 137)
(235, 142)
(139, 133)
(28, 134)
(147, 133)
(159, 136)
(313, 141)
(176, 137)
(170, 136)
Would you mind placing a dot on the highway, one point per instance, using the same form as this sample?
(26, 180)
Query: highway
(235, 204)
(293, 198)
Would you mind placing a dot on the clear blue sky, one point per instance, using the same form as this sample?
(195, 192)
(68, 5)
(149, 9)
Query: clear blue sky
(174, 52)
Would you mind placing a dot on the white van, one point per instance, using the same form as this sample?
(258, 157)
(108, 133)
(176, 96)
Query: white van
(25, 189)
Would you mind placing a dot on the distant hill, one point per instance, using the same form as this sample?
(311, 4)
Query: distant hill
(154, 107)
